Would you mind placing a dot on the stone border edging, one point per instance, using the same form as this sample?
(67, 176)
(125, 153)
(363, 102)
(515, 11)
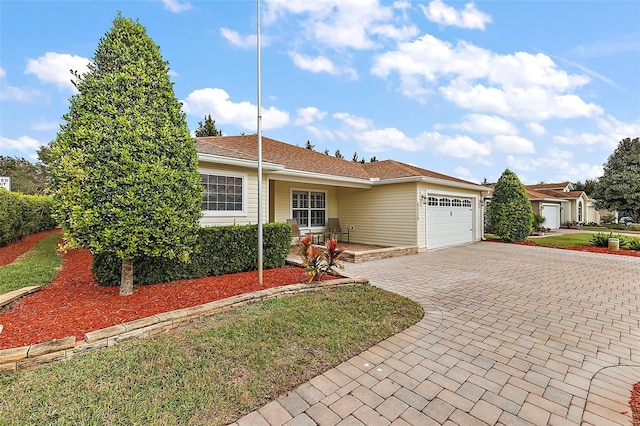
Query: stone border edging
(34, 356)
(9, 297)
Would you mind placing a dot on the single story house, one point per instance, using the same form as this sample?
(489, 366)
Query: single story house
(386, 203)
(559, 204)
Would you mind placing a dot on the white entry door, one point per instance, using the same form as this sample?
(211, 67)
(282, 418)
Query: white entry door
(449, 221)
(551, 214)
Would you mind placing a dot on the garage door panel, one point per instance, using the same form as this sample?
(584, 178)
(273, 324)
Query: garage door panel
(551, 214)
(449, 226)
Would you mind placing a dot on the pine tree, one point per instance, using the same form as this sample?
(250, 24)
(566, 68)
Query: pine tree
(123, 166)
(208, 128)
(337, 154)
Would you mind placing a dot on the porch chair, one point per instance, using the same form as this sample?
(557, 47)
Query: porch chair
(295, 229)
(336, 230)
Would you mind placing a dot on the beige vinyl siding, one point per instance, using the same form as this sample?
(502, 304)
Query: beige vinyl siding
(251, 200)
(383, 215)
(535, 205)
(438, 190)
(280, 210)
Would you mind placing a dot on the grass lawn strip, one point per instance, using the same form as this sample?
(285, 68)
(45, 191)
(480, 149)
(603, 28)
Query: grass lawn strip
(563, 241)
(212, 372)
(36, 267)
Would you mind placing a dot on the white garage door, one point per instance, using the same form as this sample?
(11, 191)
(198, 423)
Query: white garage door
(551, 214)
(449, 221)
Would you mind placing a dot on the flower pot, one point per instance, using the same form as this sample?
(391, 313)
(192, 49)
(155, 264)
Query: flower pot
(614, 244)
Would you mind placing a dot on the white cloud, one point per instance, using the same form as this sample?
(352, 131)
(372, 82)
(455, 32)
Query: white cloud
(23, 143)
(217, 103)
(55, 68)
(557, 165)
(521, 85)
(485, 124)
(338, 24)
(523, 103)
(175, 6)
(353, 122)
(463, 172)
(308, 115)
(376, 140)
(536, 128)
(470, 17)
(513, 144)
(3, 73)
(14, 93)
(460, 146)
(612, 131)
(244, 41)
(322, 134)
(320, 64)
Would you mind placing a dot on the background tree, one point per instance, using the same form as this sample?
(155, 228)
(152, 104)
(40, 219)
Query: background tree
(355, 158)
(619, 186)
(310, 146)
(26, 177)
(208, 128)
(509, 214)
(123, 166)
(589, 186)
(337, 154)
(373, 159)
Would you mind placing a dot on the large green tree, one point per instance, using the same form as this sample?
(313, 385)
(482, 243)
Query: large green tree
(26, 177)
(509, 213)
(123, 166)
(208, 127)
(619, 186)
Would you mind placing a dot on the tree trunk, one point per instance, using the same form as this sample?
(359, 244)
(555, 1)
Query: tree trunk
(126, 279)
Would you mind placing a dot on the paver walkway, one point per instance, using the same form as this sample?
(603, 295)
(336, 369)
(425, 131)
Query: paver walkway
(511, 335)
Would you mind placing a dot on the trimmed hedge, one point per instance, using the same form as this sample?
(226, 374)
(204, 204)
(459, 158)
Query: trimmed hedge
(23, 215)
(221, 250)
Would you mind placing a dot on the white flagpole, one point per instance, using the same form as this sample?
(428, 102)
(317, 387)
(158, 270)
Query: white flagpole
(260, 219)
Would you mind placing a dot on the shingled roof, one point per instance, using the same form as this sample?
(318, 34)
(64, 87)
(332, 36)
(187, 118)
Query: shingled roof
(295, 158)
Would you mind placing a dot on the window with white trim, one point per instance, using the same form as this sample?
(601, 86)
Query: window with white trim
(223, 194)
(309, 208)
(433, 201)
(466, 203)
(445, 202)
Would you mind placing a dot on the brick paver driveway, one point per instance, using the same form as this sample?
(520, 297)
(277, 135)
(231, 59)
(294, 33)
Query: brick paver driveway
(511, 335)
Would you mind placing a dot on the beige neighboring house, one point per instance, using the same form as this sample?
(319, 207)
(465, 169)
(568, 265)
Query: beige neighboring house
(385, 203)
(559, 203)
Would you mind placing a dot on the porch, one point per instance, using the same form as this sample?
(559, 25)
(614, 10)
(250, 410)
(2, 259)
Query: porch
(358, 253)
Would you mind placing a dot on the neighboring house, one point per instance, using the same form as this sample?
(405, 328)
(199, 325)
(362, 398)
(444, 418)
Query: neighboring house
(385, 203)
(574, 206)
(559, 204)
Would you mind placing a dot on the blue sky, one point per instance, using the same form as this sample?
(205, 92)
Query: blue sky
(545, 88)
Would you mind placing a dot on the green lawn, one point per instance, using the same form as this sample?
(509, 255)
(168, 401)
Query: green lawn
(563, 241)
(615, 231)
(213, 372)
(36, 267)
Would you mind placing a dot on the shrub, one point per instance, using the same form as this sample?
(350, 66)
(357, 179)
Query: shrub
(618, 226)
(509, 214)
(634, 244)
(23, 215)
(219, 250)
(538, 223)
(633, 227)
(602, 240)
(320, 261)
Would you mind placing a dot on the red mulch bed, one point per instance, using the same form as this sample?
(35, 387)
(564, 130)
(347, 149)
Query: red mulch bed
(72, 304)
(592, 249)
(12, 251)
(635, 404)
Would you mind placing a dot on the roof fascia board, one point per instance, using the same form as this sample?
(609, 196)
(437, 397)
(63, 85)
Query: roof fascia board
(318, 178)
(436, 181)
(230, 161)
